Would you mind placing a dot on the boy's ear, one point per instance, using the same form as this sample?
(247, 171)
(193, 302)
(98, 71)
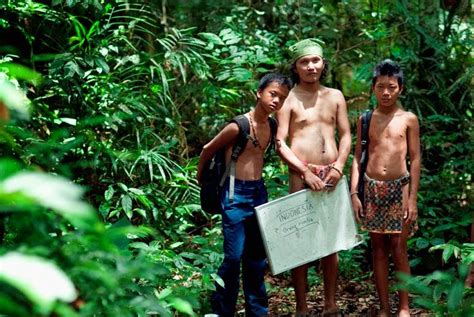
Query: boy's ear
(401, 89)
(259, 94)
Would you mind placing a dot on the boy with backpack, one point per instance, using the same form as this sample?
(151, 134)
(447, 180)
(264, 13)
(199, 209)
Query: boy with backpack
(389, 193)
(241, 193)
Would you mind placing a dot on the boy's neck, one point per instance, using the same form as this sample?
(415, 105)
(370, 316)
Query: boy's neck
(388, 110)
(309, 87)
(258, 114)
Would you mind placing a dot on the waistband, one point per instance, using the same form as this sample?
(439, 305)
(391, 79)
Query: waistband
(318, 165)
(404, 179)
(241, 182)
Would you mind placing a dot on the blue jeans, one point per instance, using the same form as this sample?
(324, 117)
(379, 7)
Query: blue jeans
(242, 243)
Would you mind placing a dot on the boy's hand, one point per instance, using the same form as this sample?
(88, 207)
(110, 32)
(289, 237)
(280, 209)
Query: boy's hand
(357, 206)
(313, 181)
(332, 178)
(410, 212)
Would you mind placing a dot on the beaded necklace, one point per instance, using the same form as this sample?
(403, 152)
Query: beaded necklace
(254, 139)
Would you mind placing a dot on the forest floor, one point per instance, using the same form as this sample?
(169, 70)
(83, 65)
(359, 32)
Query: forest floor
(354, 298)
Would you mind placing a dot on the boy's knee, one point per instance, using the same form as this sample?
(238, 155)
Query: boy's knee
(232, 261)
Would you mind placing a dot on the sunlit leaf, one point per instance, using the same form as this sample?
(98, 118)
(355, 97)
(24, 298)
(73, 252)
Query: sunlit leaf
(182, 306)
(13, 98)
(40, 280)
(211, 37)
(54, 192)
(218, 279)
(127, 206)
(21, 72)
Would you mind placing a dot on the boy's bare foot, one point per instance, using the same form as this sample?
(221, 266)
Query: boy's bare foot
(404, 313)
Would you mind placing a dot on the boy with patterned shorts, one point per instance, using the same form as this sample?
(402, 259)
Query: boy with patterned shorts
(389, 212)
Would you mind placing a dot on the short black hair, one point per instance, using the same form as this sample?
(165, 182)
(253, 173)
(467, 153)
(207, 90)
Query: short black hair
(269, 78)
(388, 68)
(296, 78)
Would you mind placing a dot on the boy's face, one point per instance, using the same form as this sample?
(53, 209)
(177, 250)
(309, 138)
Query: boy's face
(386, 90)
(273, 96)
(309, 68)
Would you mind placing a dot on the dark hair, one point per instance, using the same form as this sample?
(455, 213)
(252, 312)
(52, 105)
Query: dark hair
(296, 78)
(388, 68)
(269, 78)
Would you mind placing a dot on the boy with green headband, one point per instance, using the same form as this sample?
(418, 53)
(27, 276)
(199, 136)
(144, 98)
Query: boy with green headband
(309, 120)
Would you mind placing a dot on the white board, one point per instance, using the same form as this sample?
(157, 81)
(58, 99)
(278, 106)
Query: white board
(306, 226)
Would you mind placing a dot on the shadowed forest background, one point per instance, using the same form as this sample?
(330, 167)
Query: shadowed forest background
(106, 105)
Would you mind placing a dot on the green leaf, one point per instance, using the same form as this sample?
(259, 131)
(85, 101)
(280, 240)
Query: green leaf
(426, 303)
(54, 192)
(164, 293)
(463, 270)
(141, 212)
(422, 243)
(70, 121)
(40, 280)
(102, 64)
(242, 74)
(123, 187)
(182, 306)
(448, 252)
(455, 296)
(127, 206)
(218, 279)
(21, 72)
(8, 167)
(437, 292)
(14, 98)
(109, 193)
(136, 191)
(445, 277)
(176, 244)
(8, 307)
(211, 37)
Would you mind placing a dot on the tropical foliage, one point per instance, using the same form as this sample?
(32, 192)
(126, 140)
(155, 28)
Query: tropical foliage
(112, 100)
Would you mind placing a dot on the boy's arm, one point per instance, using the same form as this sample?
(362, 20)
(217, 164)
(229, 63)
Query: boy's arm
(227, 136)
(355, 171)
(344, 149)
(283, 116)
(413, 139)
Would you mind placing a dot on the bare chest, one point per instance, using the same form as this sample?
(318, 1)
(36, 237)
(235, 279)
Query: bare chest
(309, 112)
(382, 131)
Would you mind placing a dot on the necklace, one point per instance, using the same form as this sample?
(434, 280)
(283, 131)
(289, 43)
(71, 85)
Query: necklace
(254, 139)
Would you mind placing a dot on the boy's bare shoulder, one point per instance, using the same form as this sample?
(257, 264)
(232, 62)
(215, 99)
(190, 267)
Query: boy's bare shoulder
(409, 116)
(291, 100)
(331, 91)
(333, 94)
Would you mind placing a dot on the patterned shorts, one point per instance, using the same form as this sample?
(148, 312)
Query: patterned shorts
(383, 206)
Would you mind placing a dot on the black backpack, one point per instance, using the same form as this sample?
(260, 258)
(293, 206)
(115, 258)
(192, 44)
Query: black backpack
(364, 157)
(215, 171)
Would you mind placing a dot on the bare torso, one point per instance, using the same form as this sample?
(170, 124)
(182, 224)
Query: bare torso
(388, 145)
(313, 126)
(250, 163)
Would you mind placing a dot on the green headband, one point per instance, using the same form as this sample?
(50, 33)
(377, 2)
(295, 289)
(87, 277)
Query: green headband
(303, 48)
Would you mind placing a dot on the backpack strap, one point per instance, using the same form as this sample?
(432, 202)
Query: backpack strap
(273, 129)
(237, 149)
(366, 117)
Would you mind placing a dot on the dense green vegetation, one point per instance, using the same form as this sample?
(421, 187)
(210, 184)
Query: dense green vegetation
(120, 97)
